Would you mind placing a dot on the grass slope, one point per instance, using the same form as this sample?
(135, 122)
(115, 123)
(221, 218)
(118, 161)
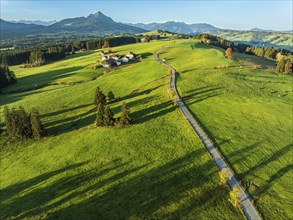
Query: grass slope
(248, 114)
(156, 168)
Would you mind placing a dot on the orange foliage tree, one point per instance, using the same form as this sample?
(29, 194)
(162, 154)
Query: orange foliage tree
(229, 53)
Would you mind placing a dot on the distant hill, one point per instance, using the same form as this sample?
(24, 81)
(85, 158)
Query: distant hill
(37, 22)
(177, 27)
(10, 29)
(257, 38)
(94, 23)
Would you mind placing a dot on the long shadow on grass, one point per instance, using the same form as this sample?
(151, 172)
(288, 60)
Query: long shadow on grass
(77, 121)
(201, 94)
(40, 80)
(266, 186)
(124, 191)
(265, 162)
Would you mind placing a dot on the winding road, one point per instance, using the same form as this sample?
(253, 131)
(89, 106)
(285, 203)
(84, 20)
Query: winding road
(246, 202)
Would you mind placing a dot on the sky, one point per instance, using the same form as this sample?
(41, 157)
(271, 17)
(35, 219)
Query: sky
(237, 14)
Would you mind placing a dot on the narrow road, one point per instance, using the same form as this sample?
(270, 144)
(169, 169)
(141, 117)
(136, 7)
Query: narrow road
(246, 204)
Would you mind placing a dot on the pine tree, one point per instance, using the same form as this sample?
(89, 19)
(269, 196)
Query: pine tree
(108, 117)
(23, 125)
(7, 119)
(110, 96)
(36, 124)
(100, 115)
(4, 61)
(99, 97)
(124, 118)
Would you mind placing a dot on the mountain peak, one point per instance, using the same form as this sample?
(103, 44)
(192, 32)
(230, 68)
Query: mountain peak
(99, 13)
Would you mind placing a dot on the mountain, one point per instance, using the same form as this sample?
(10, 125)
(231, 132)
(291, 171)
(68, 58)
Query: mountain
(10, 29)
(97, 23)
(177, 27)
(37, 22)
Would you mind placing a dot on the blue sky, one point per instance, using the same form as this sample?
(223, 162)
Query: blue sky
(231, 14)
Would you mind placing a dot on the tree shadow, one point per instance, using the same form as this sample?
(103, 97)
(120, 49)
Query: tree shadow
(188, 70)
(123, 192)
(267, 185)
(65, 110)
(274, 157)
(201, 94)
(72, 123)
(40, 80)
(146, 55)
(153, 112)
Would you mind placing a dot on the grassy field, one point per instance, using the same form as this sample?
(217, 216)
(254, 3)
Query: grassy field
(154, 169)
(248, 114)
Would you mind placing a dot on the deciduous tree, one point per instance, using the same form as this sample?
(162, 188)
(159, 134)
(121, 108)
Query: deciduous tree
(229, 53)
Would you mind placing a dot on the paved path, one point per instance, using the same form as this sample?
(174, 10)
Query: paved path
(246, 204)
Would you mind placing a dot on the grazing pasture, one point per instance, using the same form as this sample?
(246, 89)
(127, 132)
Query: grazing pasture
(154, 169)
(247, 112)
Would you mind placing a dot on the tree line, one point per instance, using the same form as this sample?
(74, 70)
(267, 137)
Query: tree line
(41, 54)
(283, 57)
(21, 125)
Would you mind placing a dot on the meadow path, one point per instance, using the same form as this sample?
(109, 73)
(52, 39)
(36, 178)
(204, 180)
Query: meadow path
(246, 203)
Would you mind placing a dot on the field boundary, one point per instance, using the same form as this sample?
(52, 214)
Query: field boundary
(246, 202)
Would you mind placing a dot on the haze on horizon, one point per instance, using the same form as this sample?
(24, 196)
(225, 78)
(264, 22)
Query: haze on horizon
(238, 15)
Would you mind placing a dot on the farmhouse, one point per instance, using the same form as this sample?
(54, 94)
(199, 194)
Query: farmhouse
(116, 59)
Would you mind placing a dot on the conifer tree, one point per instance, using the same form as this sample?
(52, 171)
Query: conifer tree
(100, 115)
(110, 96)
(99, 97)
(23, 124)
(124, 118)
(36, 124)
(108, 117)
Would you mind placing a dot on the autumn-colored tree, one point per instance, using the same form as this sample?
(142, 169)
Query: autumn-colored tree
(106, 44)
(229, 53)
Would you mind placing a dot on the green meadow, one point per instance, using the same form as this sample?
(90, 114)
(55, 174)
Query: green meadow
(246, 109)
(156, 168)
